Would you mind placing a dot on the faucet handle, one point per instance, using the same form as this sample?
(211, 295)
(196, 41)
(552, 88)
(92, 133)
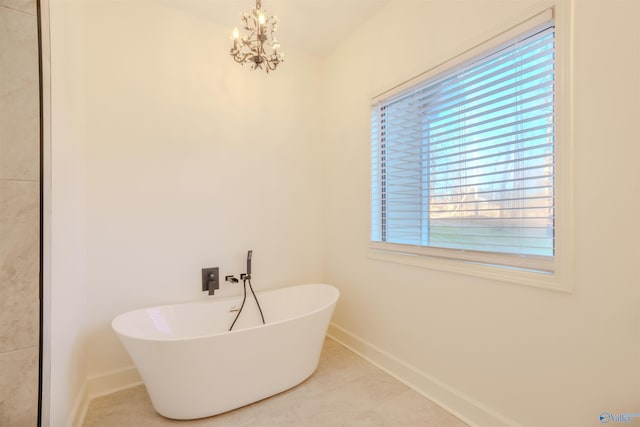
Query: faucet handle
(210, 280)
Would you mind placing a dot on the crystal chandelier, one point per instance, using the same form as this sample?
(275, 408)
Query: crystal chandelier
(259, 48)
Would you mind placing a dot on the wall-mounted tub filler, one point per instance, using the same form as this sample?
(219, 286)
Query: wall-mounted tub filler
(173, 346)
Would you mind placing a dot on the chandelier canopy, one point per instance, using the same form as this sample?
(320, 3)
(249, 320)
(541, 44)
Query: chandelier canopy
(259, 47)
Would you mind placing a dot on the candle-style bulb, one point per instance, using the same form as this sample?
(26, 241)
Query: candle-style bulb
(235, 36)
(261, 19)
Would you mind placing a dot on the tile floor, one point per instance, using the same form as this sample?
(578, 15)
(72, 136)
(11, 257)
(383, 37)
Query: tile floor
(346, 390)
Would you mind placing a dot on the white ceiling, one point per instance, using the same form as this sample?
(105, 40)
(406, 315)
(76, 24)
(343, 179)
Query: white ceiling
(316, 26)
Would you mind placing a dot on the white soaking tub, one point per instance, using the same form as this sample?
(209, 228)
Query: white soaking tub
(193, 367)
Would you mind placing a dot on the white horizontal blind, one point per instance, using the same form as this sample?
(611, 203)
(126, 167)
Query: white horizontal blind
(464, 161)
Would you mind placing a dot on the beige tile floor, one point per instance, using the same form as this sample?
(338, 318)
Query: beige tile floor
(346, 390)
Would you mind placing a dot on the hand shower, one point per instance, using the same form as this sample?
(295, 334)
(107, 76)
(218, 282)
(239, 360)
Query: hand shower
(246, 277)
(249, 264)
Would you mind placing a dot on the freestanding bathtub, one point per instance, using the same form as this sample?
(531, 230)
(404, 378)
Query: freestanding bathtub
(193, 367)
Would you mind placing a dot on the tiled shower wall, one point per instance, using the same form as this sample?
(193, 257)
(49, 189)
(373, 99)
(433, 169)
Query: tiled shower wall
(19, 213)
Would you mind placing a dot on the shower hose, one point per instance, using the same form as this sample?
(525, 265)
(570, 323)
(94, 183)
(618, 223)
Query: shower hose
(244, 299)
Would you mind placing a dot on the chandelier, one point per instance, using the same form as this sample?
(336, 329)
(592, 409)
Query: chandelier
(259, 48)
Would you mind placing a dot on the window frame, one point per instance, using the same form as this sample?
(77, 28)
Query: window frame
(490, 266)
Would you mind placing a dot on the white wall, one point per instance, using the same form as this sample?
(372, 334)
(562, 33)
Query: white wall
(69, 293)
(531, 356)
(169, 157)
(191, 161)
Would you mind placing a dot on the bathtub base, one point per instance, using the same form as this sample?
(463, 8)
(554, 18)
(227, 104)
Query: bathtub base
(255, 369)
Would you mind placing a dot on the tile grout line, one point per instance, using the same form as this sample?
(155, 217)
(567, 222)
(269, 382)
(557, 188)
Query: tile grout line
(2, 6)
(3, 353)
(9, 180)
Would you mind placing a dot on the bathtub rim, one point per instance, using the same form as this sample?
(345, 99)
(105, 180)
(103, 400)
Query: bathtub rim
(119, 332)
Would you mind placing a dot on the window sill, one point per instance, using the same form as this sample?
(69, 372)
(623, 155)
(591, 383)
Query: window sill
(551, 281)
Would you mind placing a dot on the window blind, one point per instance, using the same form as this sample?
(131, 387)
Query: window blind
(463, 162)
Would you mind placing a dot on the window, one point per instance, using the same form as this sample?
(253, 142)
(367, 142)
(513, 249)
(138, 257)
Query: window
(463, 159)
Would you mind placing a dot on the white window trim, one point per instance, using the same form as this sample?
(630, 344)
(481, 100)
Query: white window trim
(562, 277)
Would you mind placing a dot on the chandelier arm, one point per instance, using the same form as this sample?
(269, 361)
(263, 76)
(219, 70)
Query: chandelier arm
(240, 59)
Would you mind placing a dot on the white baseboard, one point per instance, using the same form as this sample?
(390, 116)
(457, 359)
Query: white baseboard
(460, 405)
(101, 385)
(79, 407)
